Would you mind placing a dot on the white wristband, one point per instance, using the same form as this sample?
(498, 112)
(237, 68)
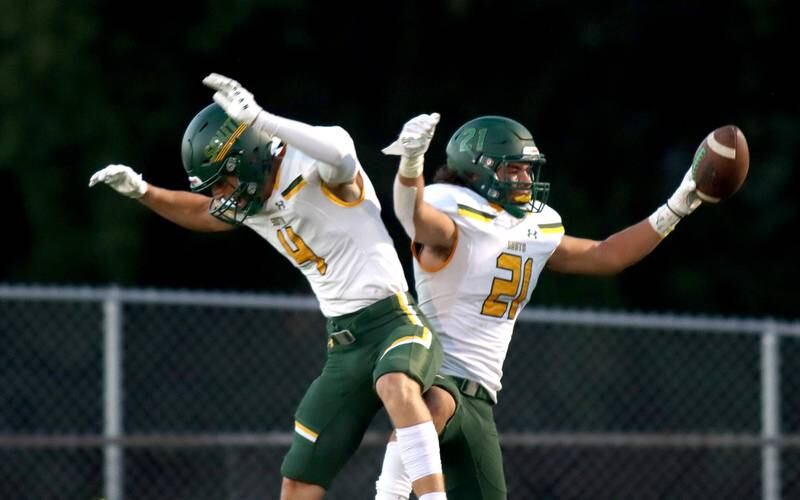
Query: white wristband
(664, 220)
(411, 167)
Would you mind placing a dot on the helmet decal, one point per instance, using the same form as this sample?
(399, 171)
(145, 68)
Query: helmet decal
(468, 134)
(530, 151)
(223, 139)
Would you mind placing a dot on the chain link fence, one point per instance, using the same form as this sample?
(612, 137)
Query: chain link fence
(145, 394)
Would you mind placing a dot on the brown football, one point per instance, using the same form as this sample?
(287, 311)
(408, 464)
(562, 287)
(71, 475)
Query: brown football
(720, 164)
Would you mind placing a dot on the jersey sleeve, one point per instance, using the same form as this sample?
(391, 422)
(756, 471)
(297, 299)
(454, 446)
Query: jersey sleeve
(442, 197)
(332, 147)
(339, 164)
(549, 218)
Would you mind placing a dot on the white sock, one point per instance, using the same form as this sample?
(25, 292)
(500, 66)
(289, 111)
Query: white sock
(393, 483)
(419, 450)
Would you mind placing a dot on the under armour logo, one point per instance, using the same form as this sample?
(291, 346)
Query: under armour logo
(280, 204)
(533, 233)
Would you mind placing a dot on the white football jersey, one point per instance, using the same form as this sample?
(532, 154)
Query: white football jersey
(342, 248)
(474, 299)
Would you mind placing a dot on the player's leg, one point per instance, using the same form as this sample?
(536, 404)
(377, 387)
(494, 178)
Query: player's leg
(330, 422)
(417, 440)
(409, 359)
(298, 490)
(470, 450)
(442, 406)
(471, 455)
(393, 482)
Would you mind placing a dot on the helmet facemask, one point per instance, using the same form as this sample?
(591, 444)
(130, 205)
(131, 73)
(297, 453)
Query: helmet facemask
(515, 196)
(246, 198)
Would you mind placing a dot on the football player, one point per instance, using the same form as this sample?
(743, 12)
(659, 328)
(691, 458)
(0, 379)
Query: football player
(481, 236)
(302, 189)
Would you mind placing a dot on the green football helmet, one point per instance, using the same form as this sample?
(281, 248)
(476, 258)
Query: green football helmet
(215, 147)
(485, 144)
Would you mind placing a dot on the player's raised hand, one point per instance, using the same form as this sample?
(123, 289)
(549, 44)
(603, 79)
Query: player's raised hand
(122, 179)
(415, 137)
(682, 202)
(237, 102)
(685, 199)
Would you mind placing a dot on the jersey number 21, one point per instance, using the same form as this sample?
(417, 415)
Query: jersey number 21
(506, 295)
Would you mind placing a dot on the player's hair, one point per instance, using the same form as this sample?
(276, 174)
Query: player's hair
(445, 175)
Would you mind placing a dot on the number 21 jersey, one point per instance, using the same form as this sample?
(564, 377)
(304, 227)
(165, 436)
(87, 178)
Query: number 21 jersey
(474, 299)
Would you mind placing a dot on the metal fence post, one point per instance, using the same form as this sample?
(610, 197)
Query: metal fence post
(770, 414)
(112, 407)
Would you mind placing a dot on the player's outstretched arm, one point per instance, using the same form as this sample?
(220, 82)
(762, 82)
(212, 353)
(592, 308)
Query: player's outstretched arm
(189, 210)
(627, 247)
(330, 145)
(423, 222)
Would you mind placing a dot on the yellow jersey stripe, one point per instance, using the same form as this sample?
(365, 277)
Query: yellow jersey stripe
(296, 185)
(277, 178)
(305, 432)
(329, 194)
(554, 228)
(471, 213)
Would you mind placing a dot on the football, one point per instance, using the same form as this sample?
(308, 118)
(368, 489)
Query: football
(720, 164)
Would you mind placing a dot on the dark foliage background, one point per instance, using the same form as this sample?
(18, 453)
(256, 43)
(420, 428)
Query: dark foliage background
(618, 94)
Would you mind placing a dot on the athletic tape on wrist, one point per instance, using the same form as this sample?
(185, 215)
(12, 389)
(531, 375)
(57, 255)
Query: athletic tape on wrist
(664, 220)
(411, 167)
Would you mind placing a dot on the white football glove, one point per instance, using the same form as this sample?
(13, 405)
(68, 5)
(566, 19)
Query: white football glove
(121, 178)
(413, 142)
(685, 200)
(415, 137)
(237, 102)
(682, 202)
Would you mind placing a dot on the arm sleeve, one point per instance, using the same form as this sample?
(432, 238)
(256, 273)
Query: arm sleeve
(332, 146)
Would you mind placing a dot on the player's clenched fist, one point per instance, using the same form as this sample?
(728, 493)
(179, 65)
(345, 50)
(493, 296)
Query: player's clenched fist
(121, 178)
